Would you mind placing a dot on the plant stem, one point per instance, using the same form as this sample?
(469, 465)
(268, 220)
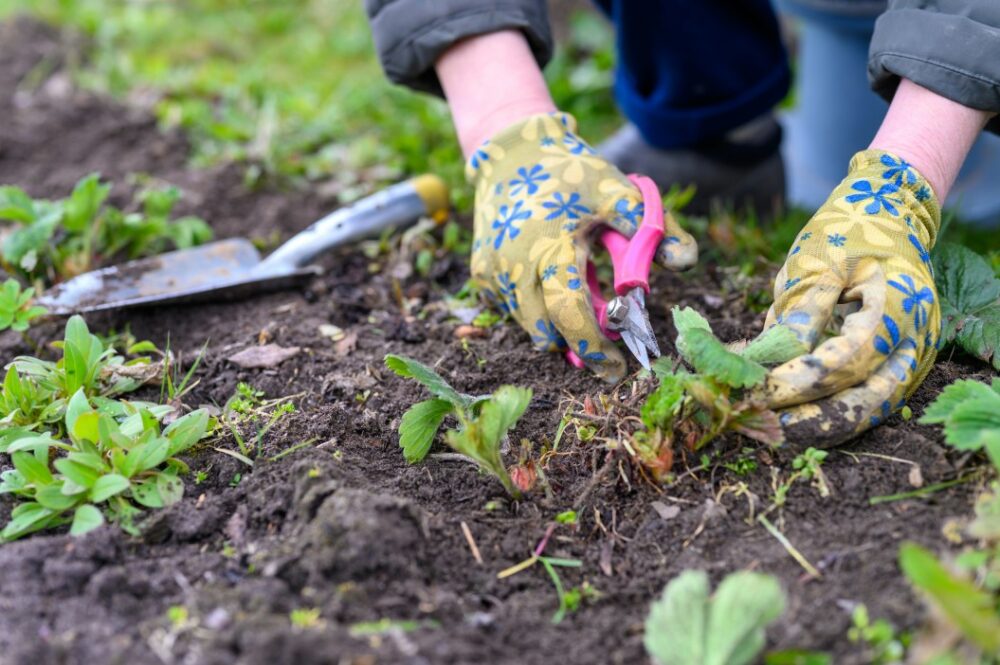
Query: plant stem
(795, 554)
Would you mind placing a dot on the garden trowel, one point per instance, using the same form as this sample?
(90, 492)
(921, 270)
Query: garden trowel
(233, 268)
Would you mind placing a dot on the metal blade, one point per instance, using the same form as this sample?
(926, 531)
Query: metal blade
(638, 323)
(637, 348)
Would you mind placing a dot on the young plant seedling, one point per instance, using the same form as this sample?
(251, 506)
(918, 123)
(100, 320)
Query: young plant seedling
(569, 601)
(687, 626)
(16, 310)
(56, 240)
(806, 466)
(248, 408)
(884, 646)
(719, 396)
(483, 421)
(113, 460)
(35, 391)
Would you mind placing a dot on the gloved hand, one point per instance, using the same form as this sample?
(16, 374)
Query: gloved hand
(539, 190)
(867, 247)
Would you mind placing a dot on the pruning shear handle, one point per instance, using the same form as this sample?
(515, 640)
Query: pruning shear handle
(624, 316)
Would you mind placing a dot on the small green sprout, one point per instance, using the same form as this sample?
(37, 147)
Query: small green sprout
(567, 517)
(884, 646)
(178, 616)
(16, 310)
(305, 617)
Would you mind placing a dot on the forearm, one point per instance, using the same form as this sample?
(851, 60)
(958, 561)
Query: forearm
(932, 133)
(491, 81)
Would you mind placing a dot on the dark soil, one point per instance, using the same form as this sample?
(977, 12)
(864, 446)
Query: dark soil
(344, 525)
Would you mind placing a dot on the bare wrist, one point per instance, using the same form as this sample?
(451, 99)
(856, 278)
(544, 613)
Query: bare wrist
(931, 132)
(491, 81)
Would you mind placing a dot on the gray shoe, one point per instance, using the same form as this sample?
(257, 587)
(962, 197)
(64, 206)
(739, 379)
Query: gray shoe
(743, 168)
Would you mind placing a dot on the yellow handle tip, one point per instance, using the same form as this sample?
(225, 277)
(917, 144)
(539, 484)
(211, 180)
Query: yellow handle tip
(434, 193)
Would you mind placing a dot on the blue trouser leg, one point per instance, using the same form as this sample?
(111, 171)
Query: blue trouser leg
(691, 70)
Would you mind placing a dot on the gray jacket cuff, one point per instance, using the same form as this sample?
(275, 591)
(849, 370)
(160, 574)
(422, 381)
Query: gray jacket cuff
(411, 34)
(951, 47)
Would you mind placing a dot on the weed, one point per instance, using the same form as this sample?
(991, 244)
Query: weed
(115, 456)
(247, 409)
(686, 625)
(884, 646)
(718, 397)
(36, 392)
(483, 421)
(16, 310)
(744, 465)
(178, 616)
(568, 601)
(54, 240)
(305, 617)
(806, 466)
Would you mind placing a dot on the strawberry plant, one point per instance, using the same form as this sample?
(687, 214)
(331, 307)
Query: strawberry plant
(719, 396)
(970, 413)
(969, 292)
(16, 310)
(687, 625)
(112, 461)
(483, 421)
(53, 240)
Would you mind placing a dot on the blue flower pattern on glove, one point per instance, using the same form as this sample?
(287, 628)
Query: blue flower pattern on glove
(549, 335)
(901, 171)
(570, 208)
(574, 278)
(593, 356)
(916, 301)
(508, 290)
(879, 199)
(836, 240)
(528, 180)
(631, 214)
(507, 223)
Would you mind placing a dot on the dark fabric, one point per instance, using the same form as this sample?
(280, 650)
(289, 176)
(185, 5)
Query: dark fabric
(949, 46)
(688, 72)
(411, 34)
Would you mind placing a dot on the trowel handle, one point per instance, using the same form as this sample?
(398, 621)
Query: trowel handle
(398, 206)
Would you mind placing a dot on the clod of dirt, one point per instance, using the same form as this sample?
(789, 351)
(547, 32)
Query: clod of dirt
(263, 357)
(358, 535)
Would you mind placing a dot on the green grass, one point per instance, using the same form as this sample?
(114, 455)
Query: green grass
(294, 88)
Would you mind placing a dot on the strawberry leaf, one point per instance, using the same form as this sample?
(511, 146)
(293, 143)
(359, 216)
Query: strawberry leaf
(419, 426)
(970, 302)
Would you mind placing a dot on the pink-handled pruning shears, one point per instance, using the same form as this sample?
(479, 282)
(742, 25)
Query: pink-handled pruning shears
(624, 316)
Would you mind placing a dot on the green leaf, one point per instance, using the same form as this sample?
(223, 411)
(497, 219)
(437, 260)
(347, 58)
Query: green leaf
(52, 497)
(502, 411)
(412, 369)
(16, 205)
(147, 494)
(419, 425)
(798, 657)
(709, 356)
(83, 476)
(776, 345)
(664, 404)
(82, 205)
(743, 605)
(31, 238)
(973, 423)
(186, 431)
(86, 518)
(687, 627)
(34, 472)
(677, 623)
(969, 293)
(170, 488)
(954, 394)
(967, 607)
(27, 518)
(108, 486)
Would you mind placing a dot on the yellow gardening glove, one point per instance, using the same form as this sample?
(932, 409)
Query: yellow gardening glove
(539, 189)
(868, 249)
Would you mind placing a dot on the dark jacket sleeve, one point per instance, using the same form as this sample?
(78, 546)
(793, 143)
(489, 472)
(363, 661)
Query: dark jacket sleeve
(411, 34)
(949, 46)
